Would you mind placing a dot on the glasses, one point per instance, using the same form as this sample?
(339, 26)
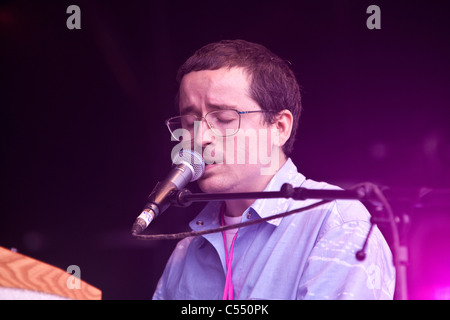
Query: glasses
(223, 123)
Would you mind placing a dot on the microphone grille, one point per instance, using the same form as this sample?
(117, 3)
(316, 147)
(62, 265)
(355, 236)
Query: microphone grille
(193, 159)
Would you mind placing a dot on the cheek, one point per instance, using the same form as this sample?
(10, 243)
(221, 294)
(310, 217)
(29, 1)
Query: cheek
(240, 149)
(250, 146)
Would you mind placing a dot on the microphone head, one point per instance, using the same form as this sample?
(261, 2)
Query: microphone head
(193, 160)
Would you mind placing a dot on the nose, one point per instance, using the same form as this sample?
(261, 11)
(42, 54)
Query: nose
(203, 134)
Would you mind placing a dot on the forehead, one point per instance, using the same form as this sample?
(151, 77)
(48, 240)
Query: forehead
(211, 85)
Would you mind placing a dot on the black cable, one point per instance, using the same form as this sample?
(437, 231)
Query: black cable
(182, 235)
(364, 188)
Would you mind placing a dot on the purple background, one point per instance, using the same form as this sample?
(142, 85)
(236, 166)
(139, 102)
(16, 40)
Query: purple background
(83, 139)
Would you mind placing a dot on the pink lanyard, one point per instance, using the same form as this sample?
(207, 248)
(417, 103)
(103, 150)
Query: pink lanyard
(228, 291)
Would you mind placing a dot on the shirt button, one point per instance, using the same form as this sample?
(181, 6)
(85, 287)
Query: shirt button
(249, 215)
(199, 222)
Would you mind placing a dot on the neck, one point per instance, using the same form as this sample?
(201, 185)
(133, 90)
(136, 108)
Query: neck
(235, 208)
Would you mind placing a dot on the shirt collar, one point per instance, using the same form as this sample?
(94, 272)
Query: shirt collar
(268, 207)
(209, 216)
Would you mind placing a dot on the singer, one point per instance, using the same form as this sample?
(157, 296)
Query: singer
(226, 89)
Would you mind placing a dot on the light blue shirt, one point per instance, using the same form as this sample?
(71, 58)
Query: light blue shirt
(308, 255)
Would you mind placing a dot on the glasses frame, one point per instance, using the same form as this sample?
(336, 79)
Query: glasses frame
(209, 125)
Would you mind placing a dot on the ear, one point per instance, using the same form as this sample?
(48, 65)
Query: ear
(283, 123)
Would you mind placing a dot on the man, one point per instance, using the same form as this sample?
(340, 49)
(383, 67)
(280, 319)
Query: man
(230, 92)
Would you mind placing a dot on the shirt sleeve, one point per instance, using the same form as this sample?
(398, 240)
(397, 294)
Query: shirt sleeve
(332, 270)
(172, 272)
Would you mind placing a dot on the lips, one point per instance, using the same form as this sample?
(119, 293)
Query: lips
(209, 169)
(210, 166)
(211, 161)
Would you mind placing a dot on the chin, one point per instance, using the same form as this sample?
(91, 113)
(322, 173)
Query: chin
(214, 184)
(208, 185)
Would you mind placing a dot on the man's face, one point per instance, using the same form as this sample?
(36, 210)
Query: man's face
(238, 159)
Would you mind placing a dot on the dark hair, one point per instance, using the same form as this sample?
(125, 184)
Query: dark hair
(273, 84)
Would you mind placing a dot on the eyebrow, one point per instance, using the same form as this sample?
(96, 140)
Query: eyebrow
(220, 106)
(191, 109)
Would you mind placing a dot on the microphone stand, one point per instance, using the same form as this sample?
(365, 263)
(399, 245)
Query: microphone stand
(184, 198)
(362, 192)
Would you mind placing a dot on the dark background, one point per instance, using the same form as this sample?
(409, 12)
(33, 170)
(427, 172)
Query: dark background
(83, 139)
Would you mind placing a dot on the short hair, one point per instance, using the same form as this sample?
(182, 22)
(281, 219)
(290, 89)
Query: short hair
(273, 84)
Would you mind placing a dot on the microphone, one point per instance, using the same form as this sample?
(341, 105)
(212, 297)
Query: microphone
(188, 166)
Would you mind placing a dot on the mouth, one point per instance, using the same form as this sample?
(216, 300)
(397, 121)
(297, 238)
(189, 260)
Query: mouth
(209, 169)
(210, 166)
